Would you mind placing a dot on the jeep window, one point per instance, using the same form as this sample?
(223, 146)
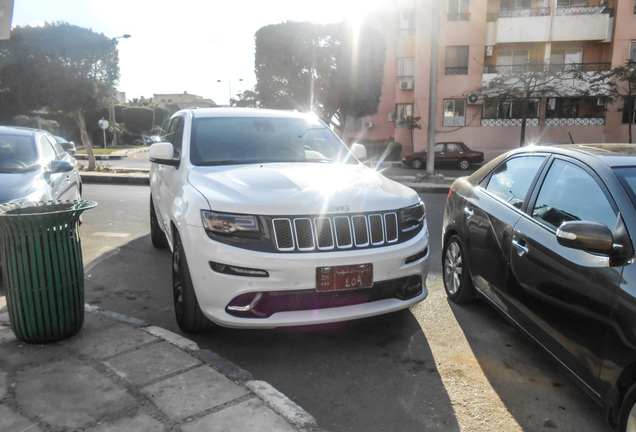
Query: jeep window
(244, 140)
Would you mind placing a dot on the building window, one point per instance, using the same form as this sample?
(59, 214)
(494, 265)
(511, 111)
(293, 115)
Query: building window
(565, 60)
(407, 22)
(571, 3)
(457, 60)
(516, 4)
(454, 112)
(629, 110)
(406, 70)
(575, 112)
(512, 61)
(632, 51)
(509, 112)
(459, 10)
(402, 111)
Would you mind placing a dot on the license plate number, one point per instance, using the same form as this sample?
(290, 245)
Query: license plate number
(340, 278)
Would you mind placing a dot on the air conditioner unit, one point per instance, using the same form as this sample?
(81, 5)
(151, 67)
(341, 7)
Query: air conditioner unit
(390, 117)
(406, 85)
(600, 101)
(368, 124)
(475, 99)
(488, 50)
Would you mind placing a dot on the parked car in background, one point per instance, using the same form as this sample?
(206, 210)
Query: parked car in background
(446, 153)
(68, 146)
(35, 167)
(273, 222)
(544, 234)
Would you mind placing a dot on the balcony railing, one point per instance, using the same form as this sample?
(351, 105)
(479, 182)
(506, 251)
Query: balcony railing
(554, 68)
(530, 12)
(582, 10)
(576, 121)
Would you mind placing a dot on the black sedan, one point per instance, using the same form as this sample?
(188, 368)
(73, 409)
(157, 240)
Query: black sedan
(544, 234)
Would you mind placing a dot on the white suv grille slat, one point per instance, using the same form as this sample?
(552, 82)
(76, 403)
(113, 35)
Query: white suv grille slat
(335, 232)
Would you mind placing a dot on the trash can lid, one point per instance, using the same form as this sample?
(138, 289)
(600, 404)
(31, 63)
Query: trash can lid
(20, 208)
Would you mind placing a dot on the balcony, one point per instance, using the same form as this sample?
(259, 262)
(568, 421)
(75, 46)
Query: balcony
(581, 23)
(554, 68)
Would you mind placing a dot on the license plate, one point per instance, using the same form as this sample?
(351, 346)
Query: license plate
(340, 278)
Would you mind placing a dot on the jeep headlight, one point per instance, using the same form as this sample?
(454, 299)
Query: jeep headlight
(412, 217)
(231, 225)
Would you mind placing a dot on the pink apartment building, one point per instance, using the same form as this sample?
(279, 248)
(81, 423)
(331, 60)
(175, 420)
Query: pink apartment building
(477, 40)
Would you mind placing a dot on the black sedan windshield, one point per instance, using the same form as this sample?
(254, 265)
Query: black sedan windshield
(17, 153)
(242, 140)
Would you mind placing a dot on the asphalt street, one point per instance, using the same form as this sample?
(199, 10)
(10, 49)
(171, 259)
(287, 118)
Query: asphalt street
(437, 367)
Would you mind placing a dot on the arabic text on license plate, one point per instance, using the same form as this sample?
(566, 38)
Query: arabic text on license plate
(347, 277)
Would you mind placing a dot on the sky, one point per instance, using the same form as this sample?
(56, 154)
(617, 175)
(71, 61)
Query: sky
(185, 45)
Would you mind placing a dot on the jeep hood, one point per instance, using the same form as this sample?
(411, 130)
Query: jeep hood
(299, 188)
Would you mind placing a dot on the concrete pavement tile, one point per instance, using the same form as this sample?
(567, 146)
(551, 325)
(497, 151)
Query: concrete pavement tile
(3, 385)
(87, 394)
(249, 415)
(12, 421)
(140, 422)
(17, 354)
(192, 392)
(151, 362)
(113, 340)
(6, 335)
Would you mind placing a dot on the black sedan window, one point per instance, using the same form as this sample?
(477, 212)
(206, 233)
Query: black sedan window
(569, 193)
(511, 180)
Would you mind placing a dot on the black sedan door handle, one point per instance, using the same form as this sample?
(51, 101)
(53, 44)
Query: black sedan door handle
(522, 249)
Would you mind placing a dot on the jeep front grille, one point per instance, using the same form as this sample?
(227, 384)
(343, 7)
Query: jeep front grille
(340, 232)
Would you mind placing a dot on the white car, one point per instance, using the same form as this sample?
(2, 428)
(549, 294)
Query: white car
(273, 222)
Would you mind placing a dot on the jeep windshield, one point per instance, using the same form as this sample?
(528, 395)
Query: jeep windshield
(246, 140)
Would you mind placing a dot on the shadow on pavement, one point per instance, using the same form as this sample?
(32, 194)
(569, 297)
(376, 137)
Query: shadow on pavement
(531, 384)
(366, 375)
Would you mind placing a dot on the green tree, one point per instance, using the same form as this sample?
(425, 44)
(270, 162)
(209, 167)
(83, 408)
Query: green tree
(61, 68)
(411, 123)
(619, 86)
(527, 83)
(320, 68)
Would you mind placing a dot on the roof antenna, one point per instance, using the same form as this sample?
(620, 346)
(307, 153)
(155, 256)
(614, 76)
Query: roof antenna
(570, 135)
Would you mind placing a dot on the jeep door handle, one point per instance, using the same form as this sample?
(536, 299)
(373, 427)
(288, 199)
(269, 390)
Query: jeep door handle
(522, 249)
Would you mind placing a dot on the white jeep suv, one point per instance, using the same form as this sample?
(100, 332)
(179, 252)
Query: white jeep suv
(273, 222)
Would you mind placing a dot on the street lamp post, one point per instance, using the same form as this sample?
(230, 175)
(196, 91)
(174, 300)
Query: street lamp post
(229, 101)
(112, 103)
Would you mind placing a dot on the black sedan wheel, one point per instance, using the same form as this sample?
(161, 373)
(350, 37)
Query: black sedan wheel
(417, 163)
(627, 420)
(186, 307)
(457, 282)
(157, 236)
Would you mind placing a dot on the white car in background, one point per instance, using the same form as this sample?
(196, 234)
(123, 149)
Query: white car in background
(273, 222)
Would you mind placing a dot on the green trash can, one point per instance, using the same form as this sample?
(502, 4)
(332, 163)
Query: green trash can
(42, 268)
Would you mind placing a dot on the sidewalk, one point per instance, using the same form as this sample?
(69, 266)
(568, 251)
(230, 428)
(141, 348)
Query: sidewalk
(119, 374)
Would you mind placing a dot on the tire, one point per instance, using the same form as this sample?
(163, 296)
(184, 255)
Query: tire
(457, 281)
(157, 236)
(627, 415)
(464, 164)
(186, 306)
(417, 163)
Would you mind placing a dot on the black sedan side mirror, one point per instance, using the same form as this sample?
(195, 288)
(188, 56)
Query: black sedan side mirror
(59, 166)
(587, 236)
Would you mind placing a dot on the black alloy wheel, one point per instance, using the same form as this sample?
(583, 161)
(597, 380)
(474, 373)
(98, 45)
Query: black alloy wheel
(457, 281)
(186, 307)
(157, 236)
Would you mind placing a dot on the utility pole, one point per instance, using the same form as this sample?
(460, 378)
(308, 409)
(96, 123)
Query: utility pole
(6, 16)
(432, 92)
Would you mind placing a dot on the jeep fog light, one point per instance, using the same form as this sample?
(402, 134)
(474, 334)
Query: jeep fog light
(232, 225)
(237, 271)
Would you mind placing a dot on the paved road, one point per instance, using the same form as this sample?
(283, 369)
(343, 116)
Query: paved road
(438, 367)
